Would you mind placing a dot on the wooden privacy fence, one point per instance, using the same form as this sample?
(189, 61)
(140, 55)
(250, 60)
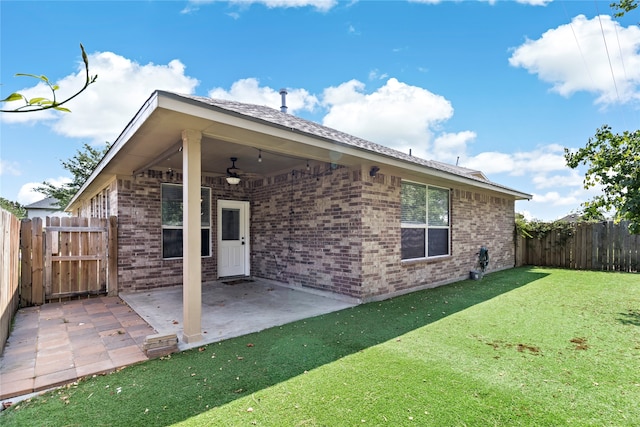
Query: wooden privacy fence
(9, 271)
(590, 246)
(70, 256)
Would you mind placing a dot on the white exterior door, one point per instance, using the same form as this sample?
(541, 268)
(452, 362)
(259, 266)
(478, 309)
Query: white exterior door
(233, 238)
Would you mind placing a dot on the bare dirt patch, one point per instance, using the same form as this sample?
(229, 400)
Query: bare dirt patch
(580, 343)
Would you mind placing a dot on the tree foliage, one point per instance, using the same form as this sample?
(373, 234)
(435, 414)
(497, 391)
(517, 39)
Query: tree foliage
(623, 6)
(81, 166)
(42, 103)
(613, 162)
(14, 207)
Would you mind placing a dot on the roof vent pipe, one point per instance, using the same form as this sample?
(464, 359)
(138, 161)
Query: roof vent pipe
(283, 93)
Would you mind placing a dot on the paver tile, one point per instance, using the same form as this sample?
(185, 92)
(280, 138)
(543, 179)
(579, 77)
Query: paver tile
(19, 373)
(96, 368)
(16, 388)
(56, 343)
(54, 379)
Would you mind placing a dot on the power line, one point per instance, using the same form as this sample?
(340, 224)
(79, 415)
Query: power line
(615, 85)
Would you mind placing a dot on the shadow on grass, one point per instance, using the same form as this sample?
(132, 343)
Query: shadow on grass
(631, 317)
(172, 389)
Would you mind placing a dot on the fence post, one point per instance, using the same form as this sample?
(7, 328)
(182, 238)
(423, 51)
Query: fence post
(25, 263)
(112, 269)
(37, 267)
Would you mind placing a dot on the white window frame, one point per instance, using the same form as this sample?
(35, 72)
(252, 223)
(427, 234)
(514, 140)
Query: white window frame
(164, 227)
(426, 226)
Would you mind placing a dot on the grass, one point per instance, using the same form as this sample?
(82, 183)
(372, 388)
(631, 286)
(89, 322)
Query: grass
(534, 347)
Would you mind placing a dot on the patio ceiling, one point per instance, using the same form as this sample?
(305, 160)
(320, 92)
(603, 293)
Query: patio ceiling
(153, 140)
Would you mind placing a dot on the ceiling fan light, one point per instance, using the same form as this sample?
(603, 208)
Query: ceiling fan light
(232, 173)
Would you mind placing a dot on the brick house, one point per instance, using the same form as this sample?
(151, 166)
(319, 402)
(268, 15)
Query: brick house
(314, 207)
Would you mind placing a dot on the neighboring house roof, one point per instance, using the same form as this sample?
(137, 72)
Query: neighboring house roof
(153, 137)
(571, 218)
(45, 207)
(49, 203)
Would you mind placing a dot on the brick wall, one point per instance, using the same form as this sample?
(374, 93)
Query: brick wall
(477, 219)
(341, 233)
(307, 230)
(140, 262)
(328, 229)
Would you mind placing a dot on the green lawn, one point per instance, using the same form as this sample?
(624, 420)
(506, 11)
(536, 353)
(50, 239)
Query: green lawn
(527, 346)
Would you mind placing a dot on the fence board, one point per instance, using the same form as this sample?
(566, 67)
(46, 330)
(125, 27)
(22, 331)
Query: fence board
(579, 245)
(84, 266)
(81, 262)
(626, 248)
(68, 257)
(9, 272)
(593, 246)
(635, 256)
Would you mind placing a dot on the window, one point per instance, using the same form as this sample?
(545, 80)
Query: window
(425, 221)
(172, 220)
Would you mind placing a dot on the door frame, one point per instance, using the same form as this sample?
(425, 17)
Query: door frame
(244, 206)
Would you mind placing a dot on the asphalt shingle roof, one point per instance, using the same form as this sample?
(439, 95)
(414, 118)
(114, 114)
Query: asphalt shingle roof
(291, 122)
(47, 203)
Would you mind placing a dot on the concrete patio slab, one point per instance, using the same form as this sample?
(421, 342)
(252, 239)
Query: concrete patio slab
(235, 308)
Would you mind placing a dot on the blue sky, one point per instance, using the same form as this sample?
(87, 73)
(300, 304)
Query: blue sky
(499, 86)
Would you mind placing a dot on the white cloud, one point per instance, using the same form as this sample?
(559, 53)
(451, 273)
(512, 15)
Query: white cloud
(320, 5)
(396, 115)
(103, 110)
(376, 75)
(527, 215)
(557, 198)
(28, 195)
(554, 198)
(571, 179)
(426, 1)
(9, 168)
(574, 57)
(249, 91)
(450, 147)
(534, 2)
(541, 160)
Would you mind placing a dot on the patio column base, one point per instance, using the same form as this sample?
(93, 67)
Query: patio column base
(188, 339)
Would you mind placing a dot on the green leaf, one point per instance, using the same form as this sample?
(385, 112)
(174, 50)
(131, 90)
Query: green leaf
(13, 97)
(37, 100)
(66, 110)
(42, 77)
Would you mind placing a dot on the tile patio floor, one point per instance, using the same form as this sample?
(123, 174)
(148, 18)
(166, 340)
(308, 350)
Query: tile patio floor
(57, 343)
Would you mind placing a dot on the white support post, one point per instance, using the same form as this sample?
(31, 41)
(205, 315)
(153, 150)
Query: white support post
(191, 237)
